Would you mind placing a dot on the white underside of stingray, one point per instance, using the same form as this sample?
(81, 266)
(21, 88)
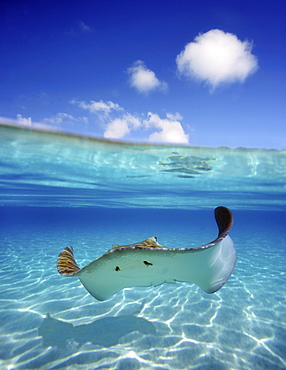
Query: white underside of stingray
(148, 263)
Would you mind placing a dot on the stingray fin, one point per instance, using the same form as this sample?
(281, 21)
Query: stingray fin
(66, 264)
(150, 242)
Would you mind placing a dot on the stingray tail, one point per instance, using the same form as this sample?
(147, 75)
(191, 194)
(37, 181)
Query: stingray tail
(66, 264)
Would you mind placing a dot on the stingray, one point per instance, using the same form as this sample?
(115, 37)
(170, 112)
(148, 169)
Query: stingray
(149, 263)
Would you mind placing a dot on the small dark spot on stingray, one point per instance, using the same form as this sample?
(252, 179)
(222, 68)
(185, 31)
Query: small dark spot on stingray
(117, 268)
(148, 263)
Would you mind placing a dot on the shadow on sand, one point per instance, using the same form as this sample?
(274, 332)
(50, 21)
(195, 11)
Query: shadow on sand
(105, 332)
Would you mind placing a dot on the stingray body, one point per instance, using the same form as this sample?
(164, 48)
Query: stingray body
(149, 263)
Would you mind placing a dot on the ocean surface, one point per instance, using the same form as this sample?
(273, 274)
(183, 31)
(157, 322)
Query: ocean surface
(59, 190)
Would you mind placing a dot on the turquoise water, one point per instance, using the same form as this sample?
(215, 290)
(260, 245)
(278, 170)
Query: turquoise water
(59, 190)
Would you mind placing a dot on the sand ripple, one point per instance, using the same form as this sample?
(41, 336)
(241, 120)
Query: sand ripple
(50, 322)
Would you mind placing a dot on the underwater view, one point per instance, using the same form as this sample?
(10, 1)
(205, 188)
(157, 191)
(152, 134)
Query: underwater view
(61, 190)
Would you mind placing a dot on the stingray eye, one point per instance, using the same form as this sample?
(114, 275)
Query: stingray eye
(117, 268)
(155, 237)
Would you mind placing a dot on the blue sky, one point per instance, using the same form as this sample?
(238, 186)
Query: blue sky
(206, 73)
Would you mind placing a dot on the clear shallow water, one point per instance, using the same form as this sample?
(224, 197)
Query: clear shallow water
(58, 191)
(48, 169)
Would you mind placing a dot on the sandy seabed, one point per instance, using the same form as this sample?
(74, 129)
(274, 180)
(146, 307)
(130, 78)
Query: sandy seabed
(51, 322)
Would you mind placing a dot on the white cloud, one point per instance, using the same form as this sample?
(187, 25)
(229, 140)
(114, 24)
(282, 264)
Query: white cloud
(120, 127)
(101, 108)
(217, 57)
(79, 28)
(143, 79)
(117, 123)
(170, 129)
(84, 27)
(24, 121)
(60, 118)
(28, 122)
